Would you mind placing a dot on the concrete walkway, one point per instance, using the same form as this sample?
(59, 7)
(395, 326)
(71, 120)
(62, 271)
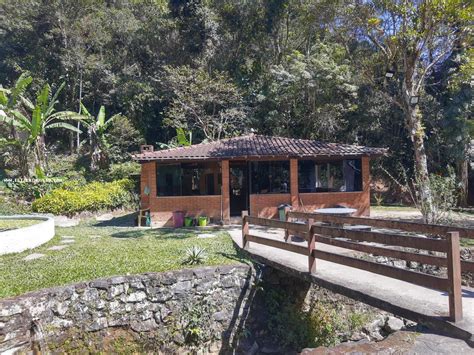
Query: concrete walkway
(417, 303)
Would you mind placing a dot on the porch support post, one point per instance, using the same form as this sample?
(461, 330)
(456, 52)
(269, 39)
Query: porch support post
(225, 192)
(147, 179)
(366, 186)
(294, 183)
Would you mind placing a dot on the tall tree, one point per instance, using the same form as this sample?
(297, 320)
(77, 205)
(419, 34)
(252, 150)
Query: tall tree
(413, 37)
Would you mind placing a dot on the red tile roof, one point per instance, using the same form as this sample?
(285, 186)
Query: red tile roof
(257, 146)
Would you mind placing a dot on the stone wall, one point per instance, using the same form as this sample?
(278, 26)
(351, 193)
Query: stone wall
(211, 309)
(180, 308)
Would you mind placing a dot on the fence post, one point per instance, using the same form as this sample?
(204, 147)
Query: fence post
(287, 234)
(454, 277)
(311, 247)
(245, 228)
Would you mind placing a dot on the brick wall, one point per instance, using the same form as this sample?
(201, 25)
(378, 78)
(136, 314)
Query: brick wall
(358, 200)
(266, 205)
(162, 208)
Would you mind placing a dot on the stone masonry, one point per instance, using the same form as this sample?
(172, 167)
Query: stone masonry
(158, 303)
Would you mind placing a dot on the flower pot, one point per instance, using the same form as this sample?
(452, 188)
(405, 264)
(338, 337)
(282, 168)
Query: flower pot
(202, 221)
(178, 219)
(188, 221)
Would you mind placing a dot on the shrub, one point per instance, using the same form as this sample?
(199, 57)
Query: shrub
(96, 196)
(121, 171)
(194, 256)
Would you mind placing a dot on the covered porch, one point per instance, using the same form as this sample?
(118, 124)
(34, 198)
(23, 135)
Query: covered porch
(235, 175)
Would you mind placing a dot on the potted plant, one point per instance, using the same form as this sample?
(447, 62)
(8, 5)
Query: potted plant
(188, 221)
(202, 221)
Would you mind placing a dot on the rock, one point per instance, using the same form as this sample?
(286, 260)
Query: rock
(393, 324)
(61, 323)
(33, 256)
(206, 236)
(143, 326)
(61, 308)
(400, 264)
(58, 247)
(136, 296)
(100, 284)
(220, 316)
(90, 295)
(68, 236)
(116, 307)
(116, 290)
(206, 272)
(67, 241)
(10, 311)
(181, 287)
(98, 324)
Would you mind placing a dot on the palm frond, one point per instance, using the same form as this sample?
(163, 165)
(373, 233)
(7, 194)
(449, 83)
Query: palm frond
(21, 120)
(101, 116)
(36, 122)
(54, 100)
(84, 110)
(43, 98)
(65, 125)
(19, 88)
(66, 115)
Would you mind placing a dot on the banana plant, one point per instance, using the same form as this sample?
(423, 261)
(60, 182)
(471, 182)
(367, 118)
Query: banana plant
(10, 99)
(97, 127)
(182, 139)
(35, 119)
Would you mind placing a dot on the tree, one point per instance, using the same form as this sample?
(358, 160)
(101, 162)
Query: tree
(97, 128)
(10, 99)
(33, 120)
(42, 117)
(308, 95)
(412, 38)
(210, 106)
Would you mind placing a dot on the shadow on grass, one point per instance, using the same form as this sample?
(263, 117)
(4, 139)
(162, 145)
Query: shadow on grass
(156, 234)
(127, 220)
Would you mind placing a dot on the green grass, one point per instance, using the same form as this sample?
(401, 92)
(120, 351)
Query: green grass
(16, 223)
(119, 251)
(393, 208)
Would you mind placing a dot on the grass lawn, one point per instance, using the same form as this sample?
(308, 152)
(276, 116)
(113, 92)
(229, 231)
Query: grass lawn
(16, 223)
(105, 251)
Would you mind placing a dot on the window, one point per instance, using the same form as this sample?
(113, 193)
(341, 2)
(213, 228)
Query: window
(342, 175)
(270, 177)
(188, 179)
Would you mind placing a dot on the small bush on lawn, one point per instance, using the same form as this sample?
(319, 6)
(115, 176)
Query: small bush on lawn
(95, 196)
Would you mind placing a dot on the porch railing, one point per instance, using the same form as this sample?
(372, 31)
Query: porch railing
(335, 234)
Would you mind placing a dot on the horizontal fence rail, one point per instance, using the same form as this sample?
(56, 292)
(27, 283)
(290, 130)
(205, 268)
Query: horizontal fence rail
(356, 239)
(435, 229)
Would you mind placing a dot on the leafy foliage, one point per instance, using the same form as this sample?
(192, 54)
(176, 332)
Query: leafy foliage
(96, 196)
(194, 256)
(209, 105)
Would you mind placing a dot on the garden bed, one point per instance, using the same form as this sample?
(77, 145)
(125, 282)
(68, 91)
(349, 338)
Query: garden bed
(19, 233)
(9, 224)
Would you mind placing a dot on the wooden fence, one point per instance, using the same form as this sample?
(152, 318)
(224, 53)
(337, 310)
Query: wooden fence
(335, 234)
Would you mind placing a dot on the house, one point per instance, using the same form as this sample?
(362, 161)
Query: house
(255, 173)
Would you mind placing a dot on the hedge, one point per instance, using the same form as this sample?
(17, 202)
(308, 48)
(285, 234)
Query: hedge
(96, 196)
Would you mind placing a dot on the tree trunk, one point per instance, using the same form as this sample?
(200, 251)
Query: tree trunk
(464, 174)
(417, 134)
(40, 153)
(99, 159)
